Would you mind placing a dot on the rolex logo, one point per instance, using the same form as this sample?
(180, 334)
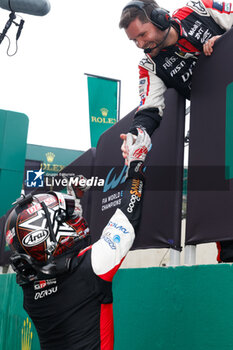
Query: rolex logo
(50, 157)
(104, 112)
(26, 337)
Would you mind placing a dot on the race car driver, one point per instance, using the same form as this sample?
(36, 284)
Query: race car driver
(67, 283)
(172, 46)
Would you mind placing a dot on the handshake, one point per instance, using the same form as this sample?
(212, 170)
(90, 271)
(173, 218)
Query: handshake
(135, 148)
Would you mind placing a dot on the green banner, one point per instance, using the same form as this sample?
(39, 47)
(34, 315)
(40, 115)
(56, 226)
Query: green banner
(102, 106)
(17, 332)
(13, 138)
(229, 133)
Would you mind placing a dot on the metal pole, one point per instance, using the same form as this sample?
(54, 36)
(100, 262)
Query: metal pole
(174, 258)
(119, 101)
(190, 255)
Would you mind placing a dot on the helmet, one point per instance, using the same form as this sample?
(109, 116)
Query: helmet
(44, 231)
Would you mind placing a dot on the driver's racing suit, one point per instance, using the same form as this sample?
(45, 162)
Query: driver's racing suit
(73, 311)
(195, 23)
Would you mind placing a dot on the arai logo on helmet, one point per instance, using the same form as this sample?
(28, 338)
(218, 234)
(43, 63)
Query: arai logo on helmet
(35, 238)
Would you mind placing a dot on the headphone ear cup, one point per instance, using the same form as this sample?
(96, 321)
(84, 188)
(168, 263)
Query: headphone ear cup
(160, 18)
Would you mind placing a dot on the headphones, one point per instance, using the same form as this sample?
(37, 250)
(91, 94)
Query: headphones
(159, 17)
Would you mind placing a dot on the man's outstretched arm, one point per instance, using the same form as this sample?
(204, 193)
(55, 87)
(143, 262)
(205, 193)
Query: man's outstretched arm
(118, 235)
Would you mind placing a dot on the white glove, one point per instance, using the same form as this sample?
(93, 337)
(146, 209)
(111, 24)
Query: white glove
(137, 149)
(77, 189)
(124, 147)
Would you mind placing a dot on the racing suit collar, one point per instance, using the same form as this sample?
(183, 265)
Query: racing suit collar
(176, 24)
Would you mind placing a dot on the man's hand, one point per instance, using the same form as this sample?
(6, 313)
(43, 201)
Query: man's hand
(124, 148)
(208, 46)
(77, 186)
(136, 148)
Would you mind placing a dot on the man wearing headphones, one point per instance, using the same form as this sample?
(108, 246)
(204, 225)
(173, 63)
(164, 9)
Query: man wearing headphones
(172, 46)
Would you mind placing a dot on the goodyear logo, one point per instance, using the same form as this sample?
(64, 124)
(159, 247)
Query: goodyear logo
(136, 188)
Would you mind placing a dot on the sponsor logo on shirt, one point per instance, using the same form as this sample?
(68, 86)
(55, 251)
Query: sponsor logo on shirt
(177, 68)
(169, 62)
(133, 199)
(187, 75)
(110, 242)
(199, 33)
(227, 7)
(117, 239)
(45, 293)
(118, 227)
(186, 55)
(147, 64)
(222, 6)
(194, 28)
(198, 7)
(206, 36)
(136, 188)
(143, 84)
(218, 5)
(44, 283)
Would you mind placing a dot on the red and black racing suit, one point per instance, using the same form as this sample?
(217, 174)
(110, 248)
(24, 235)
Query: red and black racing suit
(195, 23)
(73, 311)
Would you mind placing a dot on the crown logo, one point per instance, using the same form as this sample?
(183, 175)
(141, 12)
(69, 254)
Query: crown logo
(104, 112)
(26, 337)
(50, 157)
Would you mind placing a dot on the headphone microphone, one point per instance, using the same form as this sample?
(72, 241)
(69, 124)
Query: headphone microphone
(159, 44)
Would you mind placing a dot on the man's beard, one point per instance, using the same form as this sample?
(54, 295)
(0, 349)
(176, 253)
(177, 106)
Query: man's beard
(149, 50)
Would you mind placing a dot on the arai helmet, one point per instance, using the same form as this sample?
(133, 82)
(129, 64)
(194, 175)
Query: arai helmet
(44, 227)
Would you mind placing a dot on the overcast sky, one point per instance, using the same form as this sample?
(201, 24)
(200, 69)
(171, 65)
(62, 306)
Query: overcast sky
(45, 80)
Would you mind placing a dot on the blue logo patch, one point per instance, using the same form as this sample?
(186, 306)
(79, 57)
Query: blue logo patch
(218, 5)
(110, 243)
(35, 178)
(116, 239)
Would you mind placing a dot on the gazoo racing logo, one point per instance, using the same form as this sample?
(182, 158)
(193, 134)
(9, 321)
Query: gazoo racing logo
(136, 193)
(44, 283)
(35, 238)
